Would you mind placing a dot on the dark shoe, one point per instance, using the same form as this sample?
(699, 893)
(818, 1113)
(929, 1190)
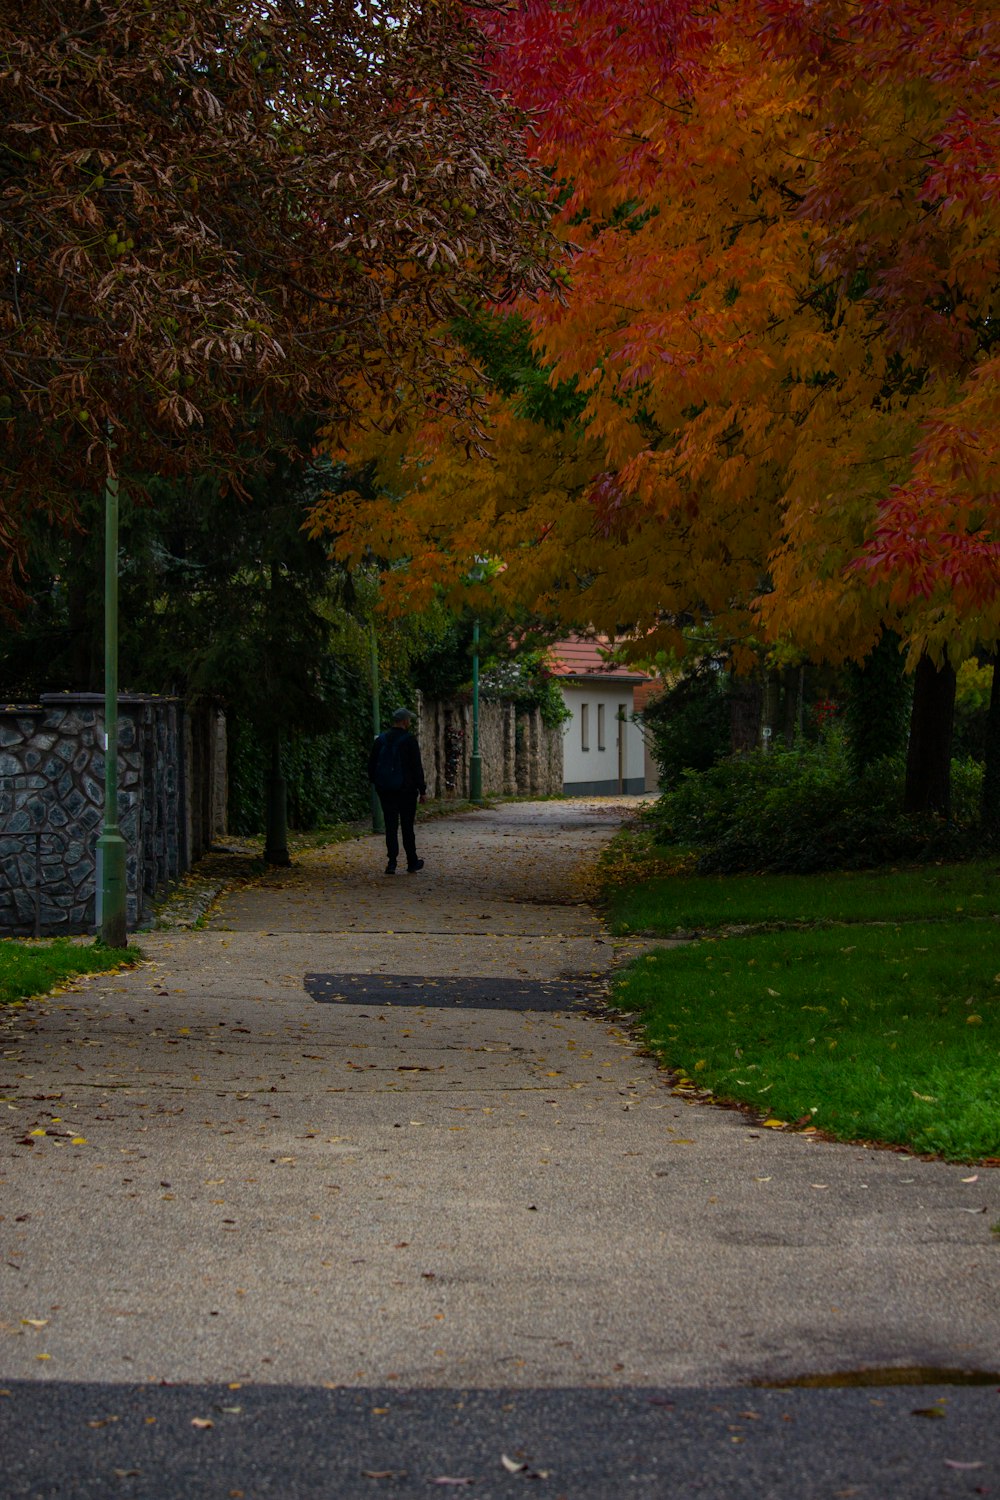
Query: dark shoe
(417, 864)
(390, 868)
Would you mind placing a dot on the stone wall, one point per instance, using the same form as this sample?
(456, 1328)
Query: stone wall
(52, 800)
(520, 756)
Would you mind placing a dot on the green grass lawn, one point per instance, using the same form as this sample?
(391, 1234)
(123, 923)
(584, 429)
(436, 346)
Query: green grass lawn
(882, 1033)
(867, 1003)
(34, 968)
(706, 903)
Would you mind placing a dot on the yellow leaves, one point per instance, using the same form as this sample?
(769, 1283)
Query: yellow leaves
(774, 1124)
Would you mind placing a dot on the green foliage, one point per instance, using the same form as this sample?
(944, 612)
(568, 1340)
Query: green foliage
(326, 775)
(688, 725)
(655, 897)
(889, 1033)
(877, 707)
(801, 810)
(34, 968)
(972, 702)
(501, 342)
(526, 681)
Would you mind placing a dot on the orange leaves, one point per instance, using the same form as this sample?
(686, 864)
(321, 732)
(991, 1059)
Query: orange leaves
(782, 232)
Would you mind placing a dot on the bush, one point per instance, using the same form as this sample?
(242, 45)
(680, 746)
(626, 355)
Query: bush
(688, 725)
(804, 811)
(326, 775)
(527, 682)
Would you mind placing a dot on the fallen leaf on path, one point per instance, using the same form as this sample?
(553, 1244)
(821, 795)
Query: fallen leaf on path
(927, 1411)
(956, 1463)
(447, 1479)
(973, 1178)
(35, 1322)
(511, 1465)
(202, 1423)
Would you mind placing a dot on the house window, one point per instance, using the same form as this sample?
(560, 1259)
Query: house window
(600, 726)
(584, 726)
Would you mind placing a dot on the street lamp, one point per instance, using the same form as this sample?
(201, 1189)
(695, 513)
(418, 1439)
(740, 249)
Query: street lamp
(110, 895)
(378, 820)
(475, 760)
(476, 575)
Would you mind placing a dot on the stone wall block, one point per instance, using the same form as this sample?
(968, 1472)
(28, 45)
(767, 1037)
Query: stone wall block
(55, 784)
(92, 790)
(10, 765)
(24, 905)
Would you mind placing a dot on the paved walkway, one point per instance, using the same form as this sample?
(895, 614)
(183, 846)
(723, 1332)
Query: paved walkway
(239, 1181)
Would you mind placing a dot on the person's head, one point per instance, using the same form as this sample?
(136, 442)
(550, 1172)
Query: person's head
(402, 718)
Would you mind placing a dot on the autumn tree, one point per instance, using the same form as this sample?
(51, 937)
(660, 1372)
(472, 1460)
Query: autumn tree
(215, 213)
(779, 310)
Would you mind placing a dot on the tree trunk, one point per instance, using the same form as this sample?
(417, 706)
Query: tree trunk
(928, 759)
(877, 711)
(989, 808)
(794, 700)
(276, 810)
(769, 709)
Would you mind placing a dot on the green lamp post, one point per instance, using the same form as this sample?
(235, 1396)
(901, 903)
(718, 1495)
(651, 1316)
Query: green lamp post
(477, 574)
(475, 760)
(378, 821)
(111, 909)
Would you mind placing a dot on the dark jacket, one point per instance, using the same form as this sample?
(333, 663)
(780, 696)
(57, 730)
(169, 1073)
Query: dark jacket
(409, 753)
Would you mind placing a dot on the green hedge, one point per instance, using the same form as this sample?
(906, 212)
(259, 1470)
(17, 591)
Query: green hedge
(805, 810)
(326, 774)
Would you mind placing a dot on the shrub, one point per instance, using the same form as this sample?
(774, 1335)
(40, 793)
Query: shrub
(688, 725)
(804, 810)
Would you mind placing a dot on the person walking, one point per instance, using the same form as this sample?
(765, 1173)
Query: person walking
(397, 773)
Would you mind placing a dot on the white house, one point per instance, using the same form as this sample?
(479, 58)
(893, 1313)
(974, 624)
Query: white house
(603, 751)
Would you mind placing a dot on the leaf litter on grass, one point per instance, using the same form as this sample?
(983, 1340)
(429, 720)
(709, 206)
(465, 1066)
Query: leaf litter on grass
(870, 1040)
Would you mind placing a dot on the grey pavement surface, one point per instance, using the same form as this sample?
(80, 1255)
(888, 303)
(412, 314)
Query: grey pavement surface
(213, 1177)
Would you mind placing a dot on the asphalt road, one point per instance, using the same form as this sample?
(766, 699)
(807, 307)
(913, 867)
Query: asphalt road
(87, 1442)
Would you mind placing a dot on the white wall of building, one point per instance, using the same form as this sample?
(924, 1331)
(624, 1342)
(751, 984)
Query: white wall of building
(602, 747)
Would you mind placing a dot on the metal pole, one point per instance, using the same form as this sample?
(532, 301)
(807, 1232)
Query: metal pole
(475, 763)
(276, 811)
(38, 885)
(378, 821)
(111, 845)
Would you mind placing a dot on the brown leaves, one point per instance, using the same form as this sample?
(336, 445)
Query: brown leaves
(199, 233)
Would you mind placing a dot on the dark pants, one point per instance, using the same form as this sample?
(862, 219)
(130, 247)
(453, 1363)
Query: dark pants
(399, 810)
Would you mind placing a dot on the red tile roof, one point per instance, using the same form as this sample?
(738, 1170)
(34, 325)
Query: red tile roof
(577, 658)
